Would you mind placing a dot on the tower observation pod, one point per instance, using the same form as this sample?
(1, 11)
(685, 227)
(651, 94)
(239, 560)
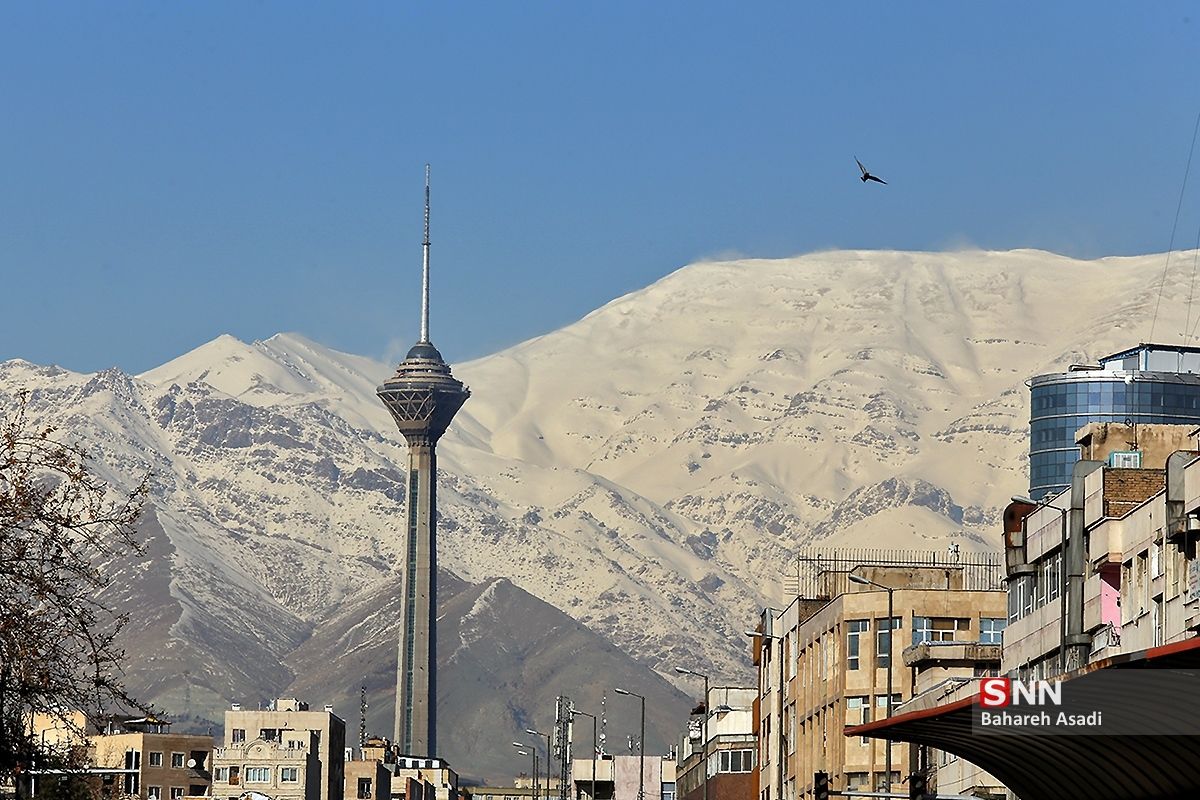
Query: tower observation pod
(423, 398)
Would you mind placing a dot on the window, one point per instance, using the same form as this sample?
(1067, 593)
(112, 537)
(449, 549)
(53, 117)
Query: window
(854, 630)
(258, 774)
(197, 790)
(156, 760)
(237, 735)
(857, 780)
(882, 709)
(1016, 597)
(939, 629)
(1052, 576)
(290, 775)
(269, 734)
(881, 781)
(176, 792)
(991, 630)
(153, 793)
(221, 775)
(668, 791)
(883, 641)
(176, 760)
(858, 712)
(737, 760)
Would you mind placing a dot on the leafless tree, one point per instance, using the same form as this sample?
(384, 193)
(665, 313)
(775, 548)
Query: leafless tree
(60, 525)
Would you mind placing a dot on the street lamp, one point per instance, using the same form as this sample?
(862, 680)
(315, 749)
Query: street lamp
(595, 754)
(779, 732)
(532, 732)
(891, 657)
(1062, 575)
(641, 744)
(704, 734)
(533, 781)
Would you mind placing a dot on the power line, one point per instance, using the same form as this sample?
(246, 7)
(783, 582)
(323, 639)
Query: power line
(1175, 225)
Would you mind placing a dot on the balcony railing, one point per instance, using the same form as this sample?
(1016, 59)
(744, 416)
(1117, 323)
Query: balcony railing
(1109, 635)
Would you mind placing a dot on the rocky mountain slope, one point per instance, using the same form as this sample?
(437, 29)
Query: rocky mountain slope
(650, 470)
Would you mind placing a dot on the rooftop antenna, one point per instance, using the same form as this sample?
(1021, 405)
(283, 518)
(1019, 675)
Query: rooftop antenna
(425, 268)
(362, 718)
(603, 725)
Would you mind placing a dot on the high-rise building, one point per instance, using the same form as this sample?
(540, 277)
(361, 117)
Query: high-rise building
(423, 398)
(1150, 383)
(284, 751)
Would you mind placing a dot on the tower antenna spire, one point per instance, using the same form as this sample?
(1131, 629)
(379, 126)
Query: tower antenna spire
(425, 268)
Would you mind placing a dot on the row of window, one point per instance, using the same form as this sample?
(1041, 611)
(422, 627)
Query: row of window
(858, 710)
(924, 629)
(238, 735)
(1114, 395)
(155, 792)
(234, 775)
(1030, 592)
(857, 781)
(177, 760)
(731, 761)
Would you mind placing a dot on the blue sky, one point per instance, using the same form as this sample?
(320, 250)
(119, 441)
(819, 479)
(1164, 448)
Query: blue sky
(177, 171)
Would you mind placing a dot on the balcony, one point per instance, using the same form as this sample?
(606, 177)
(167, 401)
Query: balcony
(1106, 638)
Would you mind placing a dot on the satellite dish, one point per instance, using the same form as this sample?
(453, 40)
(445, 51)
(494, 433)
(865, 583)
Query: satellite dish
(192, 763)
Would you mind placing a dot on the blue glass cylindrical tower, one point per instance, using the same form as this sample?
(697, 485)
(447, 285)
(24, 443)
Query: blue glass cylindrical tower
(1147, 384)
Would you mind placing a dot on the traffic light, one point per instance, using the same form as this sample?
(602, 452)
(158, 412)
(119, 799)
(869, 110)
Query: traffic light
(916, 786)
(821, 785)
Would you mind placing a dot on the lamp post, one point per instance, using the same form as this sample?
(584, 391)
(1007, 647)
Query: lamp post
(641, 744)
(595, 754)
(533, 781)
(890, 651)
(704, 733)
(532, 732)
(1062, 575)
(779, 732)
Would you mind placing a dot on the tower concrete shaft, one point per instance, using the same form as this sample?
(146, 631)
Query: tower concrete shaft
(423, 398)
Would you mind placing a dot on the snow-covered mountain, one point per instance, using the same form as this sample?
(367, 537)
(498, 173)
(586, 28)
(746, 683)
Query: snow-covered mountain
(650, 470)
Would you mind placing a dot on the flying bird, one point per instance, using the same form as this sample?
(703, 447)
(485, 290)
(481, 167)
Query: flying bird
(866, 176)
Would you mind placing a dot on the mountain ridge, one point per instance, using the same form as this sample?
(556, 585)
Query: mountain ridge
(650, 470)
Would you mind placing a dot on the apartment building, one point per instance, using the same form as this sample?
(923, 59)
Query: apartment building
(159, 765)
(728, 756)
(617, 777)
(129, 756)
(423, 779)
(1108, 566)
(823, 662)
(285, 751)
(947, 672)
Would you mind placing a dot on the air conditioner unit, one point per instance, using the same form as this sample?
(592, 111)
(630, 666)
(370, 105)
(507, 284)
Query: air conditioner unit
(1125, 459)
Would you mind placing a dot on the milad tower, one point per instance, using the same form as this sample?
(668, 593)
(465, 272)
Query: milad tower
(422, 397)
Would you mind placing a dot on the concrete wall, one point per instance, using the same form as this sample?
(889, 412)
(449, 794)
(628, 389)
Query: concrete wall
(1155, 442)
(109, 751)
(294, 725)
